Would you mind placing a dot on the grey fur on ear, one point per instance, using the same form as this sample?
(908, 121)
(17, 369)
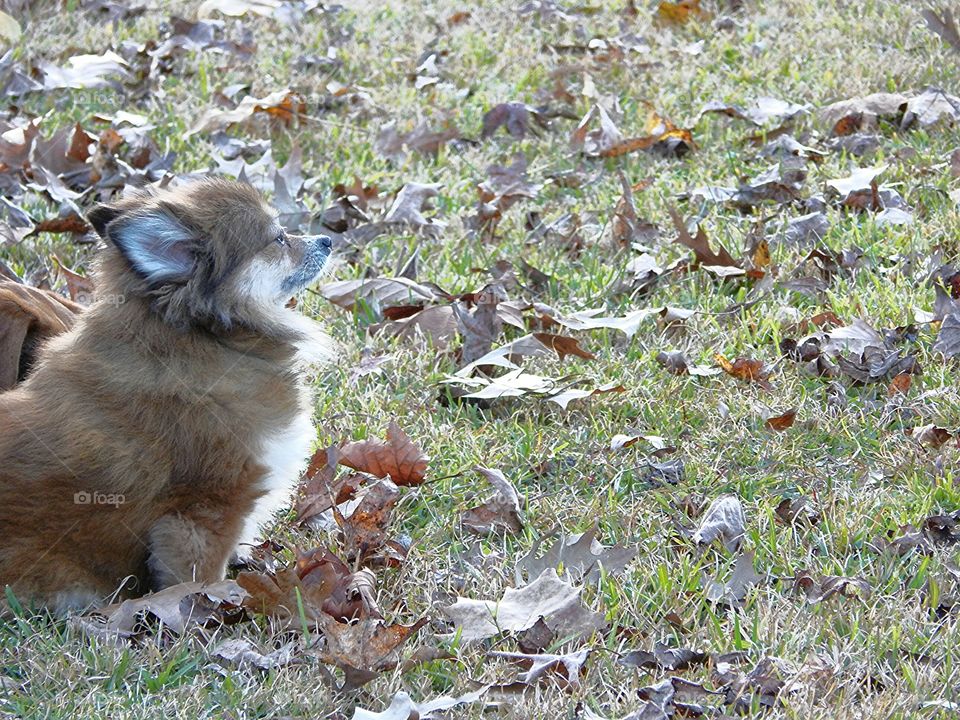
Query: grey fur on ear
(157, 245)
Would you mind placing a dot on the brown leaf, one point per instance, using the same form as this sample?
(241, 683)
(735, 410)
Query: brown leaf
(320, 489)
(514, 117)
(283, 106)
(900, 385)
(662, 135)
(178, 607)
(700, 244)
(746, 369)
(797, 510)
(782, 422)
(28, 316)
(679, 12)
(318, 580)
(397, 457)
(365, 649)
(817, 590)
(79, 286)
(365, 529)
(501, 512)
(564, 345)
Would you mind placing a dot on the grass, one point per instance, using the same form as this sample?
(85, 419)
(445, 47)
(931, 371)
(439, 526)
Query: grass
(875, 657)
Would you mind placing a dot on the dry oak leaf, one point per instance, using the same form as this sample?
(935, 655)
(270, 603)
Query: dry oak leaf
(378, 292)
(735, 589)
(948, 339)
(547, 597)
(501, 512)
(283, 105)
(364, 649)
(783, 421)
(402, 707)
(701, 245)
(397, 457)
(724, 520)
(661, 135)
(567, 669)
(679, 12)
(746, 369)
(178, 607)
(28, 316)
(580, 555)
(365, 529)
(318, 580)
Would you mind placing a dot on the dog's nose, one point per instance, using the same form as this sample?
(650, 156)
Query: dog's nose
(324, 241)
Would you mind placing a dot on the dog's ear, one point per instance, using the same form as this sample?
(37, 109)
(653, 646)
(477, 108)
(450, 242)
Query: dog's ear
(101, 216)
(157, 245)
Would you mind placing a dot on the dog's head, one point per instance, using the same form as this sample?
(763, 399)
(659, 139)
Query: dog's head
(210, 253)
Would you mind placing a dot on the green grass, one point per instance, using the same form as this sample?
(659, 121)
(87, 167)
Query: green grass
(867, 478)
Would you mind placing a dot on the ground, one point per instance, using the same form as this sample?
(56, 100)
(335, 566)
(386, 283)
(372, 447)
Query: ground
(881, 654)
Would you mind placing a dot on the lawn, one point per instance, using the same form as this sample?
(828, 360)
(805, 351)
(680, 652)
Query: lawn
(849, 609)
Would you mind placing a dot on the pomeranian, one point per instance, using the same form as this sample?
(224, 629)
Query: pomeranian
(155, 436)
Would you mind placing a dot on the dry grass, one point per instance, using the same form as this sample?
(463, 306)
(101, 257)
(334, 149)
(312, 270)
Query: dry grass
(876, 657)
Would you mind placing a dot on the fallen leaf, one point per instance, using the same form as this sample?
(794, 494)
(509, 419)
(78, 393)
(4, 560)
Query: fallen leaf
(663, 657)
(178, 608)
(241, 653)
(818, 590)
(762, 111)
(724, 520)
(547, 597)
(409, 204)
(863, 113)
(365, 529)
(319, 582)
(397, 458)
(930, 108)
(285, 106)
(782, 422)
(378, 293)
(796, 511)
(733, 591)
(85, 71)
(746, 369)
(514, 117)
(501, 512)
(365, 649)
(581, 556)
(565, 669)
(679, 12)
(948, 338)
(700, 244)
(403, 708)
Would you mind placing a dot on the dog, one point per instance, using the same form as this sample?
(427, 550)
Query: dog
(153, 438)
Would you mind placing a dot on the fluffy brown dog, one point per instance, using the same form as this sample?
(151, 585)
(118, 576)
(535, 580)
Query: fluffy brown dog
(154, 436)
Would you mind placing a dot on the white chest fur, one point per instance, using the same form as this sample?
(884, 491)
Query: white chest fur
(285, 454)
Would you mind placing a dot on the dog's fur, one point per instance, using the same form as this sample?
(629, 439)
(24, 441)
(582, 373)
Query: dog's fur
(152, 437)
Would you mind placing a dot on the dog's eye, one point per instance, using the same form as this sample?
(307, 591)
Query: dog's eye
(280, 239)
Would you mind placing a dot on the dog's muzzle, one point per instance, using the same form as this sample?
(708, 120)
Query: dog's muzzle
(314, 260)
